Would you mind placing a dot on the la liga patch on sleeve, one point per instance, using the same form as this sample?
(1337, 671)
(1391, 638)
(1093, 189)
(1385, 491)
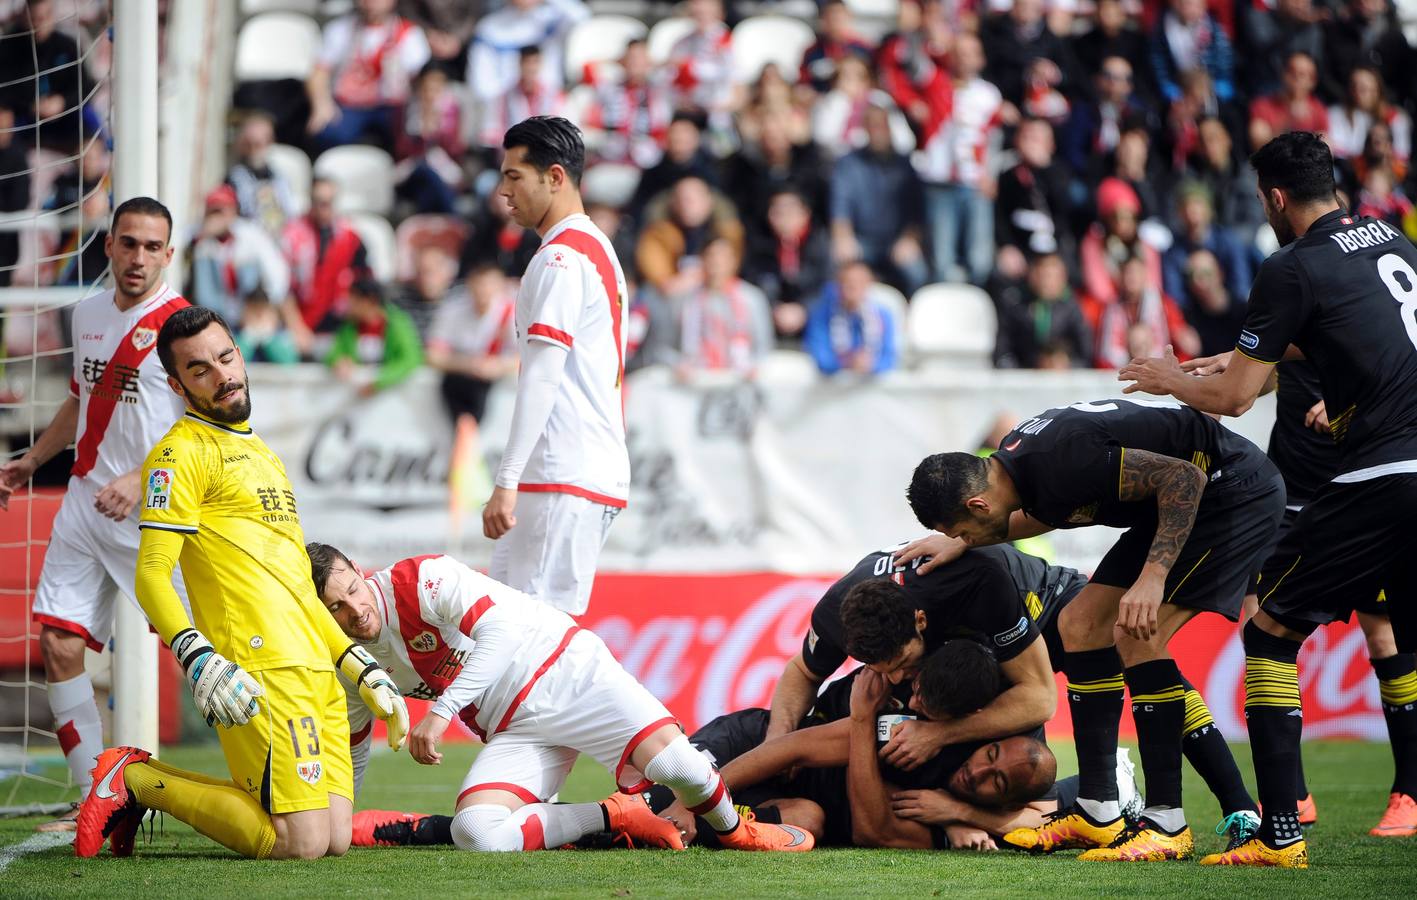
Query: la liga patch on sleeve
(159, 489)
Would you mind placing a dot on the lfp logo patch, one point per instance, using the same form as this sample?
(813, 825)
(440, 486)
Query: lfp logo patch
(159, 489)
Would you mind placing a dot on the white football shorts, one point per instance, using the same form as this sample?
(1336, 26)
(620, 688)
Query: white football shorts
(552, 551)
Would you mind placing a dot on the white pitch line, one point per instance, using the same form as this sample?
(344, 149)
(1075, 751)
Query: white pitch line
(34, 844)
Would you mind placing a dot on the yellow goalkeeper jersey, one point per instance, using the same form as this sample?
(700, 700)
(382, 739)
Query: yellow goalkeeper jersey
(243, 551)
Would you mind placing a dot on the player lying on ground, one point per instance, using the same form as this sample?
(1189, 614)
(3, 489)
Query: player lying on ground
(914, 597)
(1201, 505)
(540, 690)
(261, 660)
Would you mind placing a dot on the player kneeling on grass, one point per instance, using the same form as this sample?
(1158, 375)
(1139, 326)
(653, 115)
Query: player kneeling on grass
(540, 690)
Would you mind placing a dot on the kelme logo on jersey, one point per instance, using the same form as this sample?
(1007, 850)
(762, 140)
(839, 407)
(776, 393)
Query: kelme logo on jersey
(310, 772)
(1004, 638)
(1249, 340)
(143, 338)
(425, 642)
(159, 488)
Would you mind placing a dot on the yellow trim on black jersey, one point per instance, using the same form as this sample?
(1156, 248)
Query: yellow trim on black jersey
(1263, 362)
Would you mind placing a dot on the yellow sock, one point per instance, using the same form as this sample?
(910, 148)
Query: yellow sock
(219, 810)
(169, 769)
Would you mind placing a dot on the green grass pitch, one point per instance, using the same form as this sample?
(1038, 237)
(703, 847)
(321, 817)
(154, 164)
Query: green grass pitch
(1350, 782)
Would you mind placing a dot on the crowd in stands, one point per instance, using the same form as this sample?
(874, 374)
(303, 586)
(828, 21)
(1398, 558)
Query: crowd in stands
(1081, 162)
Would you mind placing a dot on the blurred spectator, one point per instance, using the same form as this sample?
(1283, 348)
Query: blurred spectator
(836, 40)
(41, 79)
(913, 64)
(1113, 241)
(849, 328)
(838, 118)
(1198, 102)
(724, 323)
(1188, 38)
(367, 64)
(494, 59)
(1196, 215)
(1032, 209)
(755, 172)
(1232, 187)
(1132, 164)
(1114, 34)
(232, 257)
(1368, 34)
(702, 62)
(1273, 35)
(14, 196)
(1216, 313)
(773, 97)
(669, 253)
(473, 341)
(954, 164)
(434, 272)
(1040, 314)
(529, 95)
(614, 225)
(1293, 108)
(684, 157)
(495, 237)
(1055, 357)
(374, 332)
(791, 262)
(430, 145)
(82, 190)
(1141, 321)
(876, 208)
(1382, 198)
(1032, 66)
(1363, 104)
(259, 333)
(325, 256)
(1378, 154)
(263, 195)
(448, 25)
(1095, 127)
(632, 111)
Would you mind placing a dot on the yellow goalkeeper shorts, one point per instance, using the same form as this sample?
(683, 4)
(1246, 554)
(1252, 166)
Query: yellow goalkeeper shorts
(295, 753)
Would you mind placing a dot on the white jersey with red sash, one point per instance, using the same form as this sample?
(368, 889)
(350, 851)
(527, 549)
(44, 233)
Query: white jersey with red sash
(125, 403)
(573, 295)
(439, 616)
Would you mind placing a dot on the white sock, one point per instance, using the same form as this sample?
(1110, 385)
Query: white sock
(697, 784)
(1102, 811)
(535, 826)
(1169, 818)
(78, 726)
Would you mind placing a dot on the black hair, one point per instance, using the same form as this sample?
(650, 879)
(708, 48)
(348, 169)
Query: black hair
(186, 322)
(367, 287)
(692, 116)
(529, 51)
(322, 559)
(549, 141)
(1298, 163)
(941, 485)
(878, 620)
(959, 678)
(142, 206)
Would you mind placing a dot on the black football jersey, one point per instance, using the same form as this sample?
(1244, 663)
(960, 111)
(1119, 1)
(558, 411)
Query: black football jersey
(1067, 462)
(1305, 458)
(1346, 295)
(994, 595)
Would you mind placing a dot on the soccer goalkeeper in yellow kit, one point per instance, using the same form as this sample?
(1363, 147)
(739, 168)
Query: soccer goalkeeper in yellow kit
(262, 657)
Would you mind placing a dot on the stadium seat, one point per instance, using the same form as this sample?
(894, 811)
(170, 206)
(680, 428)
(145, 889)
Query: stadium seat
(415, 232)
(365, 176)
(760, 40)
(610, 183)
(599, 39)
(1265, 240)
(874, 9)
(787, 367)
(295, 166)
(953, 326)
(274, 46)
(309, 8)
(665, 34)
(380, 246)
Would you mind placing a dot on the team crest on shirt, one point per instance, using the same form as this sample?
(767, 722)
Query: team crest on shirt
(310, 772)
(557, 260)
(143, 338)
(159, 489)
(424, 642)
(1083, 515)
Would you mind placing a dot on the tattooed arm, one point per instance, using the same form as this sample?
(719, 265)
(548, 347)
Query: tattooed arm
(1177, 486)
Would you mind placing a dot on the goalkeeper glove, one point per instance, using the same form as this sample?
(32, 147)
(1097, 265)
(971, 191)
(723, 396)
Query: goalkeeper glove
(377, 690)
(224, 692)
